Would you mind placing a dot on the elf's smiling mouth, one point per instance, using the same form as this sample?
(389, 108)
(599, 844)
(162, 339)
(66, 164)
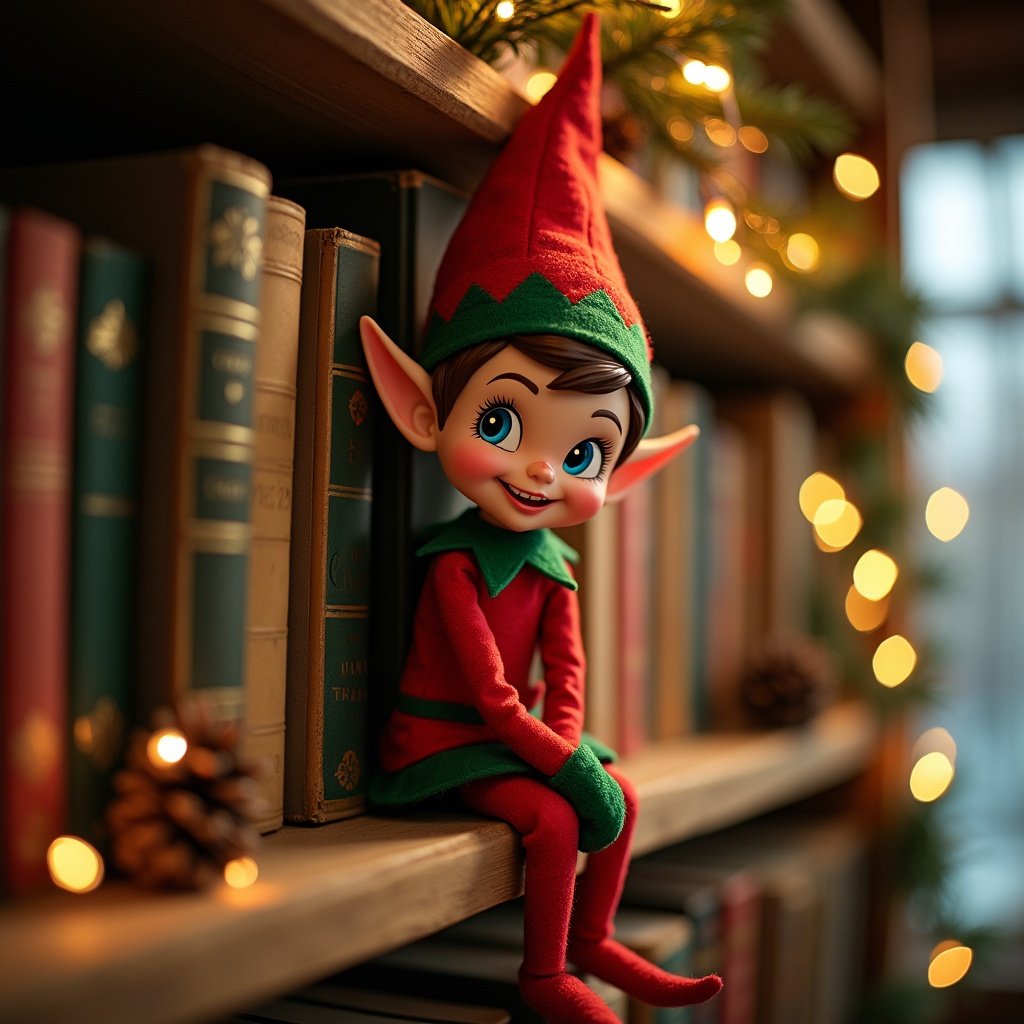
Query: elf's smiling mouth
(525, 499)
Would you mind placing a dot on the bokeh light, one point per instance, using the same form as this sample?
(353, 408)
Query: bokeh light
(759, 281)
(946, 513)
(719, 220)
(837, 522)
(241, 872)
(894, 660)
(923, 367)
(855, 176)
(931, 776)
(865, 615)
(949, 963)
(875, 574)
(74, 864)
(166, 746)
(538, 84)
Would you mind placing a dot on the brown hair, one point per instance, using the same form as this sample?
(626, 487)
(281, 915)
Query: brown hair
(585, 368)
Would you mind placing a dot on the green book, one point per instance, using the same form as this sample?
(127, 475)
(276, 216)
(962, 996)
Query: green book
(105, 519)
(412, 216)
(330, 597)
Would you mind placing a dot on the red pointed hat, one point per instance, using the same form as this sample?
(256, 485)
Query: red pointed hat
(533, 253)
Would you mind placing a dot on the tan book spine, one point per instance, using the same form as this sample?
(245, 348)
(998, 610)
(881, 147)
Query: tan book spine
(273, 463)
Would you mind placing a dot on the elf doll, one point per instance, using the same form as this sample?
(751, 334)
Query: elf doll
(534, 390)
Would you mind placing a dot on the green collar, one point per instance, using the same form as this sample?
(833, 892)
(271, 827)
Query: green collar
(502, 553)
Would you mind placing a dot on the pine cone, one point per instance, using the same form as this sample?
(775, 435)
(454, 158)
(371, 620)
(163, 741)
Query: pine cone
(789, 680)
(176, 825)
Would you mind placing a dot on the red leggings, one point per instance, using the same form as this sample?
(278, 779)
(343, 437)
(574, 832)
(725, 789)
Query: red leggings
(549, 827)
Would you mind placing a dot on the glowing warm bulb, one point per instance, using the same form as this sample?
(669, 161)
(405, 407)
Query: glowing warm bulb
(538, 84)
(837, 522)
(950, 961)
(759, 281)
(923, 366)
(728, 253)
(818, 488)
(930, 777)
(720, 132)
(802, 252)
(946, 513)
(936, 739)
(716, 79)
(753, 139)
(693, 71)
(241, 872)
(719, 220)
(74, 864)
(168, 746)
(865, 615)
(855, 176)
(505, 11)
(894, 660)
(875, 574)
(672, 8)
(680, 129)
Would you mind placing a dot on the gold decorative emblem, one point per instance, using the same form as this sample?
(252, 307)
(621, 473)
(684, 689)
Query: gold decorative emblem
(234, 392)
(357, 407)
(45, 318)
(349, 771)
(112, 337)
(236, 242)
(98, 734)
(36, 748)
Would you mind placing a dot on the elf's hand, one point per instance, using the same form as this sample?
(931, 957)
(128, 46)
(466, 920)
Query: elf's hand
(595, 796)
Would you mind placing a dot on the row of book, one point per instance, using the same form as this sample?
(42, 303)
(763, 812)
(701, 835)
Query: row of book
(188, 435)
(686, 577)
(777, 907)
(189, 502)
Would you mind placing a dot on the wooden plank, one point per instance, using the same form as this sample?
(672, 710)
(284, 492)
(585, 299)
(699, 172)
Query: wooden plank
(331, 896)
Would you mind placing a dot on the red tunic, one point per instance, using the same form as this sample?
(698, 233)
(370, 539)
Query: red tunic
(474, 649)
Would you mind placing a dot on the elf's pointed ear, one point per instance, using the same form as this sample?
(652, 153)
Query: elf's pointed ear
(650, 456)
(403, 386)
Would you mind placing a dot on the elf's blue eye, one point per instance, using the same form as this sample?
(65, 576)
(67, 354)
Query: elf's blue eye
(585, 460)
(500, 425)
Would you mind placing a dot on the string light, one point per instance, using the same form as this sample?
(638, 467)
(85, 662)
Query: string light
(672, 8)
(505, 11)
(716, 79)
(693, 71)
(931, 776)
(74, 864)
(855, 176)
(538, 84)
(720, 132)
(815, 490)
(923, 367)
(894, 660)
(875, 574)
(680, 129)
(837, 523)
(165, 747)
(719, 220)
(802, 252)
(728, 253)
(936, 739)
(946, 514)
(753, 139)
(759, 281)
(949, 963)
(865, 615)
(241, 873)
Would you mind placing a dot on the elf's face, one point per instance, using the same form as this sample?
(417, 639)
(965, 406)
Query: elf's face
(527, 456)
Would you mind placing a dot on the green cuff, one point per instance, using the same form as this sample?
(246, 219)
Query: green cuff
(595, 796)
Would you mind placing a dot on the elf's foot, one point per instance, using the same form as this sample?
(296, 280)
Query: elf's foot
(638, 977)
(563, 999)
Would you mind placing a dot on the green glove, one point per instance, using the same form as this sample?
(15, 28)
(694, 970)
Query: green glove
(595, 796)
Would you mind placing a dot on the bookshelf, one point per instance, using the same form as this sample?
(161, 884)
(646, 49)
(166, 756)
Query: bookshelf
(277, 79)
(331, 896)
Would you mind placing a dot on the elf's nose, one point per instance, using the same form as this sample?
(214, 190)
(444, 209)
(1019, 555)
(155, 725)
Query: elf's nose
(541, 471)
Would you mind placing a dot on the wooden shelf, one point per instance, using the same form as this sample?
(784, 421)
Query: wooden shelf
(308, 85)
(331, 896)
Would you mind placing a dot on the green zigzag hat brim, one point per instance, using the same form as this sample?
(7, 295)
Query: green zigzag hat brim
(537, 307)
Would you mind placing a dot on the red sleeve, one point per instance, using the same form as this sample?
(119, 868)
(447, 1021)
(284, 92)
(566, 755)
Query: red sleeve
(481, 672)
(565, 667)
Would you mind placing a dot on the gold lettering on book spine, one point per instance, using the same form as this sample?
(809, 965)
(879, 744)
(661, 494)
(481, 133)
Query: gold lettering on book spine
(112, 337)
(349, 771)
(235, 242)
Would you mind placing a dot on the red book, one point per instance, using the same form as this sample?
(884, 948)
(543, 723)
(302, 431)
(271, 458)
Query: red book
(38, 354)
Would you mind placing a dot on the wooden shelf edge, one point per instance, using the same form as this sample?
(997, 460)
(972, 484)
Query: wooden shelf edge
(331, 896)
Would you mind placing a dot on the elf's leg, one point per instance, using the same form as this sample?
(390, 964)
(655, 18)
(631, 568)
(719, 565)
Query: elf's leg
(549, 828)
(591, 946)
